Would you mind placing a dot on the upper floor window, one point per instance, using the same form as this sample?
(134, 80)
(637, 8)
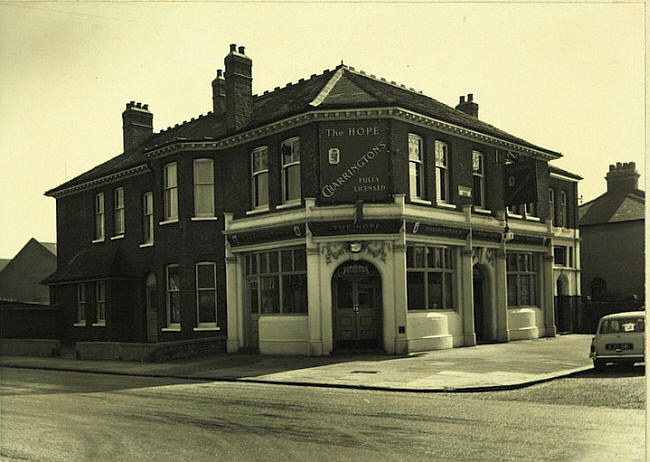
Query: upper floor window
(562, 210)
(260, 177)
(206, 294)
(551, 205)
(442, 171)
(173, 298)
(478, 168)
(118, 211)
(147, 217)
(290, 152)
(100, 302)
(563, 255)
(81, 305)
(416, 167)
(170, 184)
(522, 279)
(99, 216)
(203, 188)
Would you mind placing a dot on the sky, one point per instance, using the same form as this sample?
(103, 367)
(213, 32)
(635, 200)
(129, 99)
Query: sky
(565, 76)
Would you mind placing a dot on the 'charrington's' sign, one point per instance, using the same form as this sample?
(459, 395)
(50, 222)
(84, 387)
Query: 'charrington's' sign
(354, 161)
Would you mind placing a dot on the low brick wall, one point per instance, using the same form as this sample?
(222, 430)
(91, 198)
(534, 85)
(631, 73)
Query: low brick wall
(29, 321)
(154, 352)
(29, 347)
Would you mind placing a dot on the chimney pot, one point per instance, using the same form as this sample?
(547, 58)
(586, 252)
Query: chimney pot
(618, 165)
(632, 164)
(145, 107)
(611, 167)
(233, 47)
(462, 100)
(219, 72)
(241, 50)
(470, 97)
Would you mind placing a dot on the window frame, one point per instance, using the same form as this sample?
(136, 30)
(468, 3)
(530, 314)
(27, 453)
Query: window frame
(551, 205)
(478, 175)
(563, 212)
(255, 273)
(196, 163)
(255, 189)
(446, 270)
(442, 172)
(118, 212)
(206, 325)
(100, 303)
(293, 142)
(418, 163)
(168, 296)
(519, 275)
(82, 303)
(147, 218)
(100, 218)
(170, 192)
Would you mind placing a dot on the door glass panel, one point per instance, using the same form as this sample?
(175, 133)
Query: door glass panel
(365, 296)
(344, 295)
(253, 296)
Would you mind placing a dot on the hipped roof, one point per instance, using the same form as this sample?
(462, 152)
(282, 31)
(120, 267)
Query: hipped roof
(613, 207)
(93, 263)
(342, 87)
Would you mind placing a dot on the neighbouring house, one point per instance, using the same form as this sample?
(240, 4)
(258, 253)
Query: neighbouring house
(612, 227)
(20, 279)
(339, 211)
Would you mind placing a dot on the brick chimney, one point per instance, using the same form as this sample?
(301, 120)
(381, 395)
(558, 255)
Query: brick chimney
(239, 88)
(219, 94)
(622, 177)
(137, 124)
(469, 107)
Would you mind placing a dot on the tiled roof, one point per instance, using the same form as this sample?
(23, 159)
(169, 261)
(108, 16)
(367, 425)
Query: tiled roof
(554, 169)
(352, 89)
(613, 207)
(92, 263)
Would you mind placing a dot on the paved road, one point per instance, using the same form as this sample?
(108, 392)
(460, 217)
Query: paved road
(57, 416)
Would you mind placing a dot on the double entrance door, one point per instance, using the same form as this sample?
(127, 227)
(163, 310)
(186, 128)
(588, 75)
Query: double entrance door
(357, 306)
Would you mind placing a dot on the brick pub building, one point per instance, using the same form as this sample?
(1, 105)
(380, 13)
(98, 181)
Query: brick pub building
(339, 211)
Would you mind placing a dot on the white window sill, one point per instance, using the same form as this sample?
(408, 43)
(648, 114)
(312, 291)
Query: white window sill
(514, 215)
(260, 210)
(97, 241)
(171, 329)
(119, 236)
(168, 222)
(204, 218)
(206, 328)
(482, 210)
(287, 205)
(532, 218)
(99, 324)
(79, 324)
(146, 244)
(415, 200)
(446, 205)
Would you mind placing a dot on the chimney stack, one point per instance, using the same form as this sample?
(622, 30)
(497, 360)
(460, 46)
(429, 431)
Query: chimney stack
(469, 107)
(137, 124)
(622, 177)
(219, 94)
(238, 88)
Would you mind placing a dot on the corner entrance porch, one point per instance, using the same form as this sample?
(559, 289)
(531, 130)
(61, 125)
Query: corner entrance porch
(356, 292)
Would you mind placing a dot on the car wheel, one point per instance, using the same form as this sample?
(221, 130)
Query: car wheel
(599, 363)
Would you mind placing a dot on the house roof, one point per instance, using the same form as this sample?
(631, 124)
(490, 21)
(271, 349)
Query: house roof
(92, 263)
(51, 246)
(3, 262)
(342, 87)
(613, 207)
(559, 171)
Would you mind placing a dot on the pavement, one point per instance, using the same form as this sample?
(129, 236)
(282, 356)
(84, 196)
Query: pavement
(484, 367)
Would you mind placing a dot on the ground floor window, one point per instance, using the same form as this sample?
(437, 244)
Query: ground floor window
(429, 277)
(81, 304)
(100, 302)
(173, 302)
(277, 281)
(522, 279)
(206, 294)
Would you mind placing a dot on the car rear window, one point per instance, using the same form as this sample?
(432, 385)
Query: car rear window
(622, 326)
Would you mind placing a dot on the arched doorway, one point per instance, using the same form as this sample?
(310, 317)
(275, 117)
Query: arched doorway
(478, 286)
(151, 308)
(357, 306)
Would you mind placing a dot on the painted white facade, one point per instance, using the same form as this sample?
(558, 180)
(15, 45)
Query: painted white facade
(402, 330)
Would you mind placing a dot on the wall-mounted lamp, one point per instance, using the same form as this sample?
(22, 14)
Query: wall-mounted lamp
(355, 247)
(508, 235)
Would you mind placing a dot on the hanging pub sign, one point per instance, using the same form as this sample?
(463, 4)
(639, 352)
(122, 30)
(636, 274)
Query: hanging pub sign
(354, 161)
(521, 182)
